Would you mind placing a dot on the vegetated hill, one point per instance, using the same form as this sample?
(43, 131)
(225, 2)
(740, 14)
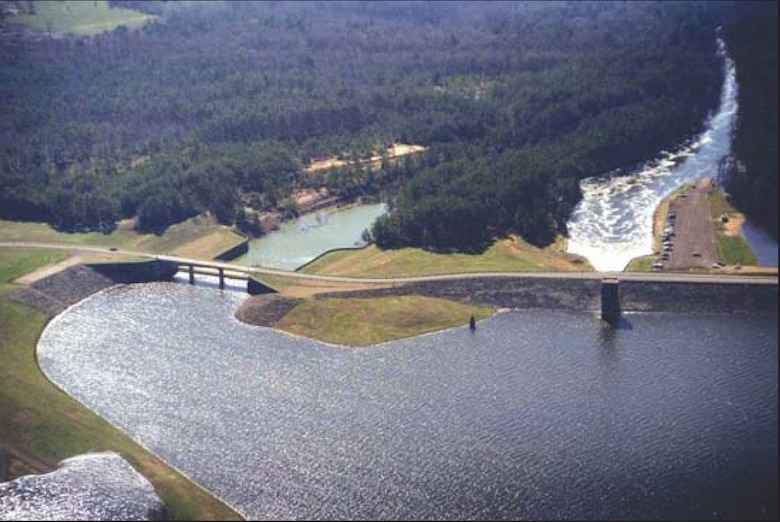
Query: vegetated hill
(221, 104)
(752, 35)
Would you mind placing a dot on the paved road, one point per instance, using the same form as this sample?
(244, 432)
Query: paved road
(694, 244)
(623, 276)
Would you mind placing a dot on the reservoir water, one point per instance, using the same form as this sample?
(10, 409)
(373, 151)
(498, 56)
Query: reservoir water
(536, 415)
(96, 486)
(614, 221)
(301, 240)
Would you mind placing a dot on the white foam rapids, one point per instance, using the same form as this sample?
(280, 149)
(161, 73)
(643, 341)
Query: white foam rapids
(614, 221)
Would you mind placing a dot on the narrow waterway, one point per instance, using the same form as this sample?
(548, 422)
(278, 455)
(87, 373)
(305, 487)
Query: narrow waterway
(762, 245)
(301, 240)
(536, 415)
(614, 221)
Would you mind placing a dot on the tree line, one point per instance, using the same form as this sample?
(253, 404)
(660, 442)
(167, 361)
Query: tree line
(220, 106)
(752, 175)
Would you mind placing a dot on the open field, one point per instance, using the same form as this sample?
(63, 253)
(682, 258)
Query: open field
(209, 246)
(197, 237)
(81, 17)
(37, 419)
(361, 322)
(15, 262)
(505, 255)
(397, 150)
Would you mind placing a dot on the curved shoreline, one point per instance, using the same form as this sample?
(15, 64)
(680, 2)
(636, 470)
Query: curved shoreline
(53, 321)
(309, 359)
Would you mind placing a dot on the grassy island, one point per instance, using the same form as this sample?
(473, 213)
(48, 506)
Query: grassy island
(362, 322)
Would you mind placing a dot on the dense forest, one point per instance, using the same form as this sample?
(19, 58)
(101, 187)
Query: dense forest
(218, 106)
(752, 34)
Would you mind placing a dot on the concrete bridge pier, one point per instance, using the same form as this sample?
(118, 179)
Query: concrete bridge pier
(192, 274)
(610, 300)
(221, 278)
(3, 464)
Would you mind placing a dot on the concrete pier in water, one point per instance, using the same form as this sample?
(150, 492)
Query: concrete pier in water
(610, 300)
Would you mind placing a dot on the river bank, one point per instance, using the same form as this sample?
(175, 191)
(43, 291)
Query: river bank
(299, 241)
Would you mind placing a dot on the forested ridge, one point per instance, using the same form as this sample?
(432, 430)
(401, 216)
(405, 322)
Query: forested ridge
(221, 105)
(752, 34)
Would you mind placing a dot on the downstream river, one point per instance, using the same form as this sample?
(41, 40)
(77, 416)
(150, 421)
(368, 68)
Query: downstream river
(301, 240)
(536, 415)
(614, 221)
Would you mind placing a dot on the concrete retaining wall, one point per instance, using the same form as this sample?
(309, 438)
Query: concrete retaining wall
(256, 287)
(570, 294)
(698, 298)
(137, 272)
(235, 251)
(55, 293)
(585, 294)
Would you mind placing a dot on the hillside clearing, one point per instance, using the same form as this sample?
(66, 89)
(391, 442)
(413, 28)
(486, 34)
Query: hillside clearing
(81, 18)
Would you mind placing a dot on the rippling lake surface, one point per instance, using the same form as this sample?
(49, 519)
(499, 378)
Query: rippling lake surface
(538, 414)
(301, 240)
(97, 486)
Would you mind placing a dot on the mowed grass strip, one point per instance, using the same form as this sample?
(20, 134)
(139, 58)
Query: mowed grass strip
(199, 236)
(43, 233)
(38, 419)
(505, 255)
(211, 245)
(81, 17)
(734, 248)
(363, 322)
(15, 262)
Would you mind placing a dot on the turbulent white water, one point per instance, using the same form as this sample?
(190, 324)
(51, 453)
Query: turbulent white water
(98, 486)
(614, 221)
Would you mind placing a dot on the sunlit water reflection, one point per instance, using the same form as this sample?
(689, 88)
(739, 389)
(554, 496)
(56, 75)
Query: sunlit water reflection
(538, 414)
(98, 486)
